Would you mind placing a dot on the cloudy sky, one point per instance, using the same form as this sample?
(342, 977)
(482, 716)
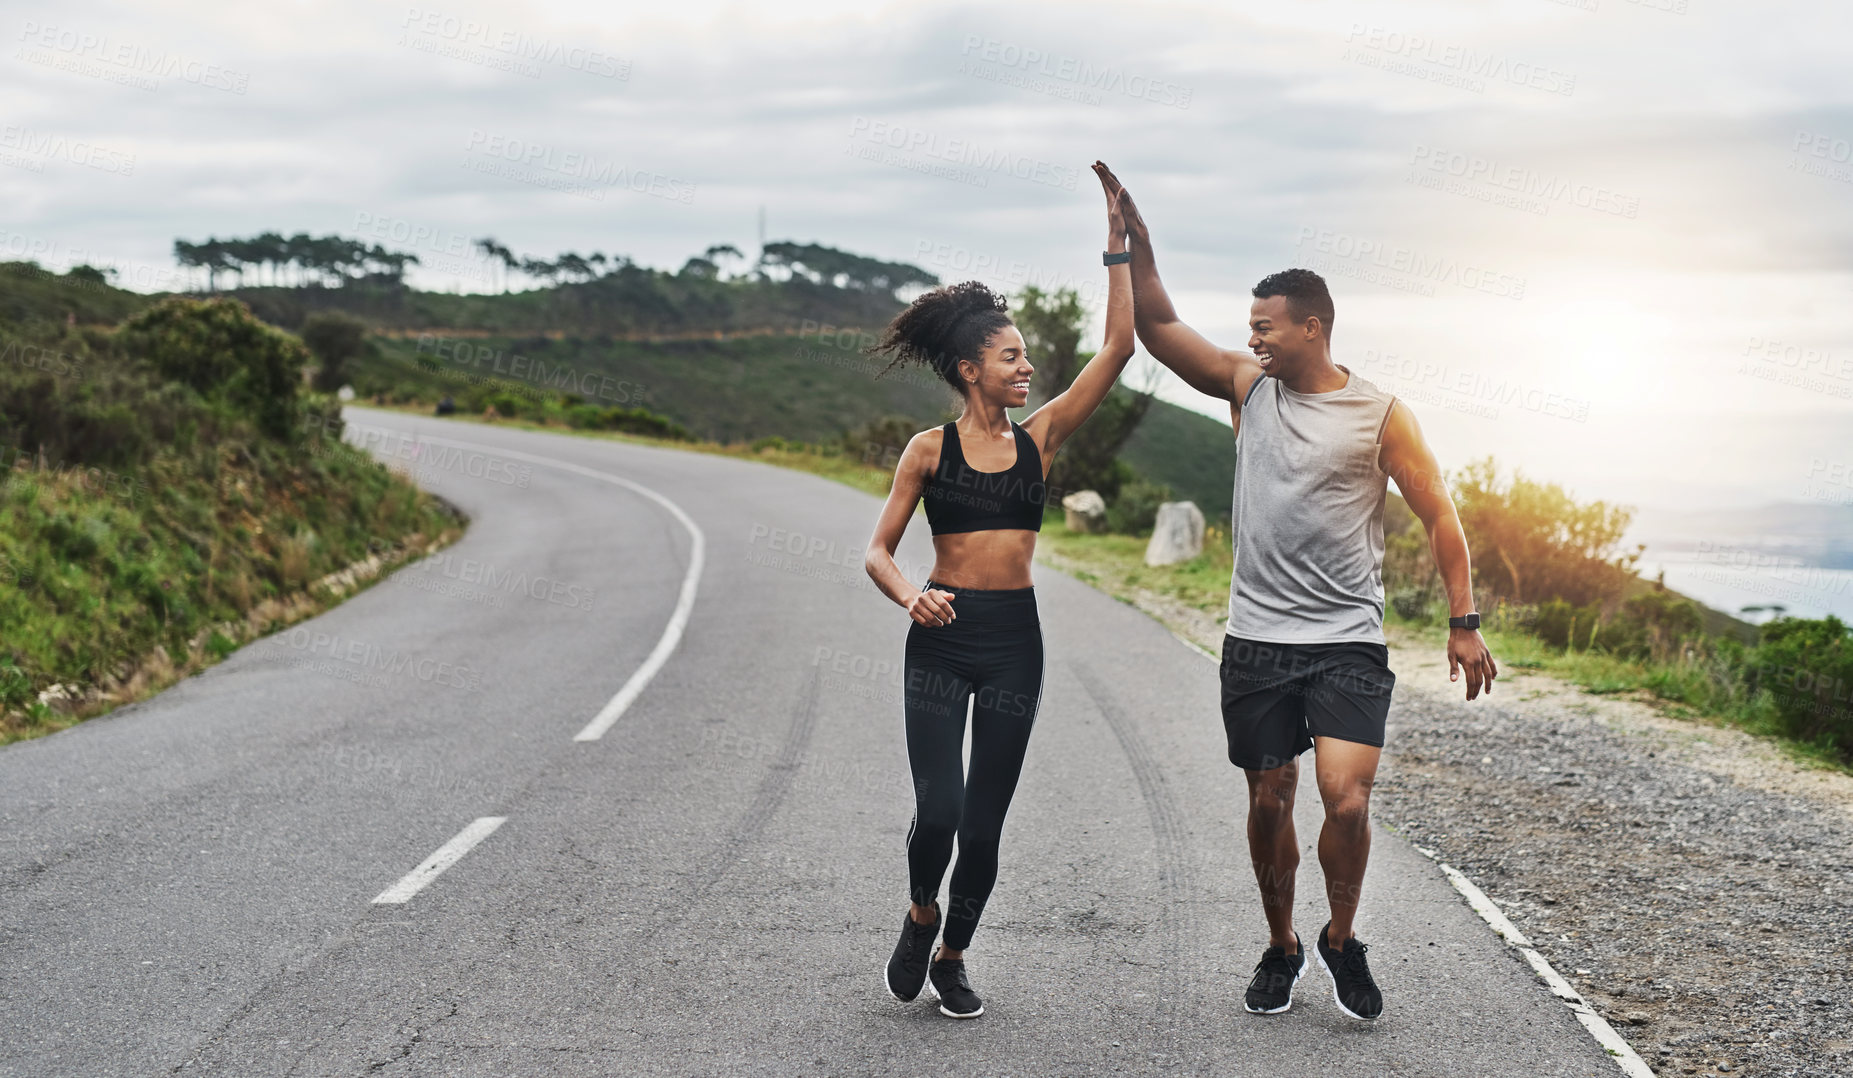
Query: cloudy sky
(1609, 242)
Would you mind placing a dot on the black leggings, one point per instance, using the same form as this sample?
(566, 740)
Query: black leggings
(991, 654)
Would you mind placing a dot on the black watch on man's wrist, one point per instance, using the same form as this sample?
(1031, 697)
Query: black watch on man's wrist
(1465, 621)
(1115, 259)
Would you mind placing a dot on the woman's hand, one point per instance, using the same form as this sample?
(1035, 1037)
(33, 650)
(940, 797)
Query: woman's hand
(1116, 220)
(931, 607)
(1122, 204)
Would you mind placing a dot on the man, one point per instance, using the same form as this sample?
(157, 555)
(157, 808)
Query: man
(1304, 663)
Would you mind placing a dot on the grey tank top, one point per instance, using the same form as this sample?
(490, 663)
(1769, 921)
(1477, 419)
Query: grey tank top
(1307, 520)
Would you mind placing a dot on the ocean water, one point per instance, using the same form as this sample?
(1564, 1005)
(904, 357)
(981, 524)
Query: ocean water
(1730, 584)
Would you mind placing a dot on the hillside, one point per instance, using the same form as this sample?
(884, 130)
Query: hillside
(630, 302)
(32, 295)
(167, 492)
(742, 388)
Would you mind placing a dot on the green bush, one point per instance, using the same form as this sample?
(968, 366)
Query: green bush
(334, 338)
(221, 351)
(1134, 509)
(1565, 625)
(630, 421)
(1806, 669)
(1533, 542)
(1652, 625)
(76, 402)
(644, 421)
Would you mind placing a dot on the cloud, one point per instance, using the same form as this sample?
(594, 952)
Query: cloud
(1658, 184)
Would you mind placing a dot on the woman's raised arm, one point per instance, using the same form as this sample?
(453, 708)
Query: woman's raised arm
(1063, 414)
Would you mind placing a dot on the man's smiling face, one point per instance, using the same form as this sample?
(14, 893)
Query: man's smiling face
(1276, 339)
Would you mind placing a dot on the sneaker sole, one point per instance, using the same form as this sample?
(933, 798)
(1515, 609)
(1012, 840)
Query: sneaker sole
(931, 987)
(1283, 1008)
(1341, 1003)
(889, 985)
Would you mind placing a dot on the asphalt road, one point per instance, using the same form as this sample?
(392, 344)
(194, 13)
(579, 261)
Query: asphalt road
(187, 886)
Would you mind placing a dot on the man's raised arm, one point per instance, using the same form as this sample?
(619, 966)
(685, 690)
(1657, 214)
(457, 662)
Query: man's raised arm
(1219, 372)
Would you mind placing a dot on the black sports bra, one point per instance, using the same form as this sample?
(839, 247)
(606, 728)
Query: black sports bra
(959, 499)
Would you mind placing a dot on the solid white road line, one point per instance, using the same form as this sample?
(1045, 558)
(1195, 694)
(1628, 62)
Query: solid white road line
(1618, 1049)
(1624, 1055)
(672, 633)
(685, 601)
(448, 854)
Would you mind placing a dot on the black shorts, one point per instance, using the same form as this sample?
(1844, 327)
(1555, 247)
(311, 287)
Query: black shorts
(1277, 697)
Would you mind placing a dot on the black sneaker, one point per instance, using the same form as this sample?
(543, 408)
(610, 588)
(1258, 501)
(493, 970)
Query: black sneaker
(956, 998)
(1352, 987)
(1271, 992)
(907, 969)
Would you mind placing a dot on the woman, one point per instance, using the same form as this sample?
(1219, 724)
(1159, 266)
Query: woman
(975, 634)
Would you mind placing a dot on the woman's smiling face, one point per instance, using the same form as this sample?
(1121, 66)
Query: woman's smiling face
(1002, 372)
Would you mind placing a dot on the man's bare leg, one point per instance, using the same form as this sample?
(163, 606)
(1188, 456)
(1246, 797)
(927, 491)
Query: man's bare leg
(1346, 771)
(1274, 848)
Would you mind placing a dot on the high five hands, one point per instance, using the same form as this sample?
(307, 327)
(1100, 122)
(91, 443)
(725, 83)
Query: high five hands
(1116, 216)
(1121, 212)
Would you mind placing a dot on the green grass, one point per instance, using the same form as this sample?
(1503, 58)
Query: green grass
(1118, 562)
(1691, 690)
(101, 578)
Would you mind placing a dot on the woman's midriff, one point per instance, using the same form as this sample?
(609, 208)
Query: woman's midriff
(986, 561)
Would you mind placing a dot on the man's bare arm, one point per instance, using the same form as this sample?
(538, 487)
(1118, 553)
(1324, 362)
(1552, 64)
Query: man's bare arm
(1409, 461)
(1220, 372)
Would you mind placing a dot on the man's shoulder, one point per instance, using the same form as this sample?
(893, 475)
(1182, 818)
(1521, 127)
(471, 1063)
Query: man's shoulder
(1365, 387)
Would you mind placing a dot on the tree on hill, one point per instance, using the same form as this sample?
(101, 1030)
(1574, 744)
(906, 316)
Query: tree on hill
(501, 255)
(841, 269)
(540, 269)
(1532, 541)
(572, 265)
(334, 338)
(1051, 324)
(332, 260)
(723, 251)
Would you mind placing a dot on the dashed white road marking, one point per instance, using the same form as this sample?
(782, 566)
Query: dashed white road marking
(1618, 1049)
(685, 600)
(432, 867)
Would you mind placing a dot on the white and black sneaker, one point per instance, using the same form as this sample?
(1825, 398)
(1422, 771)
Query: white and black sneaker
(956, 998)
(907, 968)
(1271, 991)
(1353, 988)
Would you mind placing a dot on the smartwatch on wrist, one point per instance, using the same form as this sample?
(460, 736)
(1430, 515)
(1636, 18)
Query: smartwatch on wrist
(1465, 621)
(1116, 259)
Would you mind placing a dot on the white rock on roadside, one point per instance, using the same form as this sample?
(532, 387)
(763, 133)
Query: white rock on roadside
(1085, 511)
(1177, 535)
